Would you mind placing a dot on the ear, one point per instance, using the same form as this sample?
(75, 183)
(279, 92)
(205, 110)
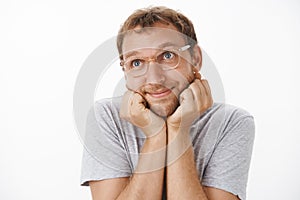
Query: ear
(197, 57)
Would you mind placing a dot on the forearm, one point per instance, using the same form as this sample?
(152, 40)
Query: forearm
(182, 175)
(147, 181)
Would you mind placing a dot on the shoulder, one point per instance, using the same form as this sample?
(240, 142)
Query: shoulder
(108, 103)
(235, 114)
(230, 109)
(237, 120)
(104, 111)
(107, 106)
(228, 118)
(232, 148)
(228, 112)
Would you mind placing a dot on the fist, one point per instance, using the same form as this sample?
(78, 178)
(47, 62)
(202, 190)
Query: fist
(134, 110)
(194, 101)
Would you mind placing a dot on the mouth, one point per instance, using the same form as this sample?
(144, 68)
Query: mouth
(160, 94)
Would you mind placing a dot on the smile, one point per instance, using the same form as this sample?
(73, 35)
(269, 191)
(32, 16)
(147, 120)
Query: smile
(160, 93)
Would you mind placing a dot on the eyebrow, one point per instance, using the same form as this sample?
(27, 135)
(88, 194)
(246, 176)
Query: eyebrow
(166, 44)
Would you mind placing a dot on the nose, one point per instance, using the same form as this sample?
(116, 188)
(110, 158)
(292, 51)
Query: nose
(154, 74)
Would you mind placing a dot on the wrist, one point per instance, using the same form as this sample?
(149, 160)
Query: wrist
(159, 126)
(178, 143)
(174, 131)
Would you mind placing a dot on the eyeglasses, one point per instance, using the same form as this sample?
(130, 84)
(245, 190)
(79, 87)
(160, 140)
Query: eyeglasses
(166, 59)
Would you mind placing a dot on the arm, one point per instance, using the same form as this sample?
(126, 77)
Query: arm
(182, 175)
(147, 180)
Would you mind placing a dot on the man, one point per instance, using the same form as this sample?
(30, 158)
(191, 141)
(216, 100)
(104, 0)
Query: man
(165, 138)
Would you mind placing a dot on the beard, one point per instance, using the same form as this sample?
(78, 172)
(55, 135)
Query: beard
(164, 107)
(168, 104)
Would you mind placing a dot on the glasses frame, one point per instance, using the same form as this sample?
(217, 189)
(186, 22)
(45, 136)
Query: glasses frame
(154, 59)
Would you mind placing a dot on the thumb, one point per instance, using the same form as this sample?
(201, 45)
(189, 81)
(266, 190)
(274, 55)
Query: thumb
(139, 101)
(175, 118)
(185, 97)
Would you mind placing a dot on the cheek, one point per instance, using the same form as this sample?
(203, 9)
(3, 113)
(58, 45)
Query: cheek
(134, 83)
(182, 77)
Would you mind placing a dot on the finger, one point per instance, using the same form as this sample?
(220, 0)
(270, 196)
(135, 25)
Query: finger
(209, 95)
(196, 90)
(206, 87)
(139, 101)
(202, 98)
(208, 99)
(135, 91)
(202, 90)
(186, 95)
(125, 105)
(182, 112)
(175, 118)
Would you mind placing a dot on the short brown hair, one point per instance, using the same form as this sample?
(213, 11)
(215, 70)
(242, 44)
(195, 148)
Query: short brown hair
(147, 17)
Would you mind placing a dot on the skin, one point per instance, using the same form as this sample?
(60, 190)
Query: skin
(156, 79)
(163, 104)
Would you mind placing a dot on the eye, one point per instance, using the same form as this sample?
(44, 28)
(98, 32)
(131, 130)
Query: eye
(136, 63)
(168, 55)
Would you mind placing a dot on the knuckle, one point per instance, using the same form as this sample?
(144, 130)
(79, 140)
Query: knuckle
(135, 115)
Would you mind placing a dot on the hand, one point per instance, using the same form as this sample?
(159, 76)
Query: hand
(194, 101)
(133, 109)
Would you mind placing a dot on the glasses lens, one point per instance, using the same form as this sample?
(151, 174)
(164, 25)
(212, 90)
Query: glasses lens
(136, 66)
(168, 59)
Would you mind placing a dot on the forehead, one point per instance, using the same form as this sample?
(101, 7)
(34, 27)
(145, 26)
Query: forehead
(152, 37)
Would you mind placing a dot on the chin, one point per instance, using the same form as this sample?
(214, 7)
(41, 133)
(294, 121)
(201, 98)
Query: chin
(164, 110)
(160, 112)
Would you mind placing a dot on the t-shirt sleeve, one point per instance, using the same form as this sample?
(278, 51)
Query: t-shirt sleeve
(229, 164)
(104, 154)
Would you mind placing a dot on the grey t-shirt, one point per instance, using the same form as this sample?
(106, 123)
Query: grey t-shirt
(222, 139)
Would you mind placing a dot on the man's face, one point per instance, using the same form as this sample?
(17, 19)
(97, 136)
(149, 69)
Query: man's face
(160, 88)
